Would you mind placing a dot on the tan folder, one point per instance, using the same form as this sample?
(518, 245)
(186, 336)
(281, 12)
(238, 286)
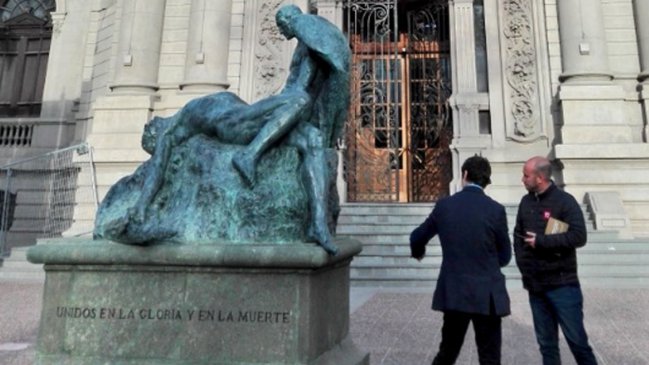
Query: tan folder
(556, 226)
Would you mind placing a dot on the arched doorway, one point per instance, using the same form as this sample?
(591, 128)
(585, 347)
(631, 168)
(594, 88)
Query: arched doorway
(25, 37)
(399, 130)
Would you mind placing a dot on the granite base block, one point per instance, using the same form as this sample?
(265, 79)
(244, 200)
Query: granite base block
(180, 304)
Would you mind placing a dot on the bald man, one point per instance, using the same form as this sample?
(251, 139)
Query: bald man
(548, 263)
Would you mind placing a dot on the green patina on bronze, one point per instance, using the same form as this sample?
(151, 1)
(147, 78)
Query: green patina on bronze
(226, 171)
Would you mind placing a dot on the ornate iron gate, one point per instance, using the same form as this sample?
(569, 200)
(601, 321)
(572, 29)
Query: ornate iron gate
(399, 130)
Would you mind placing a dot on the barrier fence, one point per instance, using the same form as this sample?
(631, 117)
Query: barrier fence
(38, 195)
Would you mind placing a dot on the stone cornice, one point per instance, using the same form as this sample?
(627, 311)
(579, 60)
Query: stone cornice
(604, 151)
(86, 251)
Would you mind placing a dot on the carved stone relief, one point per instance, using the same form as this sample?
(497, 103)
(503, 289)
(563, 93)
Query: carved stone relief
(521, 70)
(467, 108)
(58, 18)
(269, 65)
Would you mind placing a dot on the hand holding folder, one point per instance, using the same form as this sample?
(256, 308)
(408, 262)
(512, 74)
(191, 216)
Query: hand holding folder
(555, 226)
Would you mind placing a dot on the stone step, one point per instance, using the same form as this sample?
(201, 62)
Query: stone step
(19, 265)
(410, 209)
(30, 276)
(18, 254)
(402, 217)
(384, 230)
(365, 229)
(351, 220)
(603, 248)
(405, 223)
(418, 209)
(431, 271)
(17, 268)
(617, 282)
(585, 258)
(374, 237)
(23, 237)
(406, 229)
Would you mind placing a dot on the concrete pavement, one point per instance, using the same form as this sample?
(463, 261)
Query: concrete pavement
(397, 326)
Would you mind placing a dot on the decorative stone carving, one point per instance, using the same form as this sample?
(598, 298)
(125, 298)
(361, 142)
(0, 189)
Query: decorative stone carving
(467, 108)
(268, 63)
(520, 69)
(57, 21)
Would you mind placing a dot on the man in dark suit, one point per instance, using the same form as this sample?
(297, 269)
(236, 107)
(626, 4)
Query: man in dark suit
(473, 231)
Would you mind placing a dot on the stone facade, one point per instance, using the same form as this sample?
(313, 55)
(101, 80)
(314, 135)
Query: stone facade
(565, 79)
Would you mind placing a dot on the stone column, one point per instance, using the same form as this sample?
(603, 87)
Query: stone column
(333, 12)
(590, 102)
(466, 100)
(584, 53)
(119, 117)
(64, 81)
(138, 54)
(595, 131)
(464, 34)
(206, 66)
(641, 9)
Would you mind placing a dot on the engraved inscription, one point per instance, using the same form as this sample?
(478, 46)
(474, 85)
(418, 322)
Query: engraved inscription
(175, 314)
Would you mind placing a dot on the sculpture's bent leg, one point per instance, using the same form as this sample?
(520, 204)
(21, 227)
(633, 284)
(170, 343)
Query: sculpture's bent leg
(286, 112)
(316, 174)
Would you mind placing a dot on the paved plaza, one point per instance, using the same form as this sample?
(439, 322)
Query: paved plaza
(397, 326)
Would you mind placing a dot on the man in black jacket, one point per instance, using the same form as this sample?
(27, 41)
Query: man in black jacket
(548, 263)
(475, 242)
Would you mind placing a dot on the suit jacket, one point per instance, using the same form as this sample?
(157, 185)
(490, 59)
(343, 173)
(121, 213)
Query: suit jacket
(473, 232)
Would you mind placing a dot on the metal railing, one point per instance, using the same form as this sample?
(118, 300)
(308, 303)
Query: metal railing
(39, 195)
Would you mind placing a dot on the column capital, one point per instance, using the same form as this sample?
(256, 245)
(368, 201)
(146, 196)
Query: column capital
(58, 19)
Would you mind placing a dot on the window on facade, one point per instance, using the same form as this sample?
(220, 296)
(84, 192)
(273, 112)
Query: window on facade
(484, 119)
(25, 36)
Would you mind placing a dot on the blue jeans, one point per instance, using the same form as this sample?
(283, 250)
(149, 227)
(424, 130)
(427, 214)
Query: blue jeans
(561, 307)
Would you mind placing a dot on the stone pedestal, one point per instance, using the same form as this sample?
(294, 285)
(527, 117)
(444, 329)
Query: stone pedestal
(591, 114)
(107, 303)
(608, 211)
(597, 167)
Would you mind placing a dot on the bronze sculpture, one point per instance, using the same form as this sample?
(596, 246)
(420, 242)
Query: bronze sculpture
(307, 115)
